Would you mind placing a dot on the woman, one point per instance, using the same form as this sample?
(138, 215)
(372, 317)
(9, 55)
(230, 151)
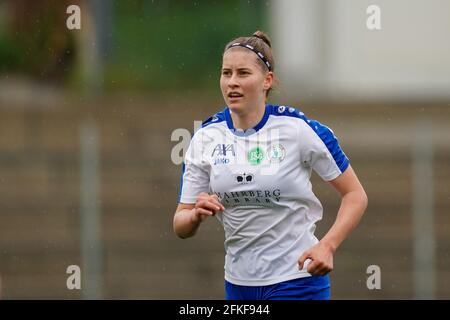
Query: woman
(250, 166)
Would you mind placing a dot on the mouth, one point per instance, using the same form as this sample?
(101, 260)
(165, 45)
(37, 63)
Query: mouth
(235, 96)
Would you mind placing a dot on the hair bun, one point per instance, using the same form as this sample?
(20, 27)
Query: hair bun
(264, 37)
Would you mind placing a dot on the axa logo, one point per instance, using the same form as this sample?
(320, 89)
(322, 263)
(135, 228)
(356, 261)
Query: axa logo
(244, 178)
(223, 150)
(221, 161)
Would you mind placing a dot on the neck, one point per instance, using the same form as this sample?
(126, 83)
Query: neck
(247, 119)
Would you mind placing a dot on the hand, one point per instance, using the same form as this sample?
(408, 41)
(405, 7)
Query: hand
(205, 206)
(321, 255)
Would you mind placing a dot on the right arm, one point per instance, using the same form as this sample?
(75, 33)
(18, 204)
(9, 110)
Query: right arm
(188, 217)
(195, 204)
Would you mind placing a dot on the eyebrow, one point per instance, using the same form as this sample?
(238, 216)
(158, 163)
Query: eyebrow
(239, 69)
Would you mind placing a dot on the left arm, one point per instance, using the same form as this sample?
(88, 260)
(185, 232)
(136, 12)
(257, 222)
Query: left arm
(354, 203)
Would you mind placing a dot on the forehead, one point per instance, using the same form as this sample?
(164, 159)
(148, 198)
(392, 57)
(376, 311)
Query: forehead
(239, 58)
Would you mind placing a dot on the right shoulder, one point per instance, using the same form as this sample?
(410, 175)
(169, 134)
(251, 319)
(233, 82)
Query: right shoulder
(218, 117)
(208, 129)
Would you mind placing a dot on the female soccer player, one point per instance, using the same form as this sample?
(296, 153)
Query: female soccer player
(250, 166)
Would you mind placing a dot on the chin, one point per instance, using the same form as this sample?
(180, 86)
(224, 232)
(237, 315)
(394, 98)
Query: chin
(236, 107)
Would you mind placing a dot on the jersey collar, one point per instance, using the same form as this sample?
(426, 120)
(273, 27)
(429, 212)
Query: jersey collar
(247, 132)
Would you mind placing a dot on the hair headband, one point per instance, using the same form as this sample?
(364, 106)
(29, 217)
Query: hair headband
(259, 54)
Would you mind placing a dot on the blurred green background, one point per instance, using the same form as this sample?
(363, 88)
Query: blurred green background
(149, 45)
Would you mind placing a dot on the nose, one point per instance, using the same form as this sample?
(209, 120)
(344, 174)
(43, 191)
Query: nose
(232, 82)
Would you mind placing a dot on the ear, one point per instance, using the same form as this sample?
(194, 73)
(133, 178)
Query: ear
(268, 80)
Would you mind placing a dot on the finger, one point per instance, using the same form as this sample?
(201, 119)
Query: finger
(217, 202)
(312, 267)
(203, 203)
(320, 269)
(214, 198)
(317, 272)
(302, 259)
(209, 205)
(200, 215)
(204, 212)
(220, 205)
(322, 272)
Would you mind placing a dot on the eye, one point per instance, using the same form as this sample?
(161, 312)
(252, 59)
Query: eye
(225, 72)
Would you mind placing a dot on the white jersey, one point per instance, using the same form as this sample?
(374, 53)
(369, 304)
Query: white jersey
(262, 177)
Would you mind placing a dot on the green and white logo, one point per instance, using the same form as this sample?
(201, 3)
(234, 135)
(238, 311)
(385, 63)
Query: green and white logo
(255, 156)
(276, 153)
